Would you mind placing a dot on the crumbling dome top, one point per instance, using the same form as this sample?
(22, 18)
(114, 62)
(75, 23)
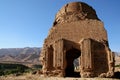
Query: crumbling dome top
(75, 11)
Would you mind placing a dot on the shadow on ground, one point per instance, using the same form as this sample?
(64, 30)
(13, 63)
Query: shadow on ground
(117, 75)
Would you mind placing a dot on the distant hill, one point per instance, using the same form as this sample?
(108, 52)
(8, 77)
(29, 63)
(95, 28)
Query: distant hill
(117, 58)
(30, 55)
(20, 55)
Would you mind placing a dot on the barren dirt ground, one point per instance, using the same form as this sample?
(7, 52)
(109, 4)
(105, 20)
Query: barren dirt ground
(37, 77)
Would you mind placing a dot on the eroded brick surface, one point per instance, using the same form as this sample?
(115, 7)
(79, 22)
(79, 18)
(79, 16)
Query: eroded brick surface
(77, 32)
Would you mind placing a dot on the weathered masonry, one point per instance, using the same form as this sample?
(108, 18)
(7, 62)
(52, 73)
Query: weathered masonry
(77, 33)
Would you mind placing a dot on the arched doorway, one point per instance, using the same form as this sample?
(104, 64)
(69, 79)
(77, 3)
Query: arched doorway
(71, 55)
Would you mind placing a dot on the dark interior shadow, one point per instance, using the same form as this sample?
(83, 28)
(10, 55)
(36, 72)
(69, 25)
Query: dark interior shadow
(117, 75)
(71, 55)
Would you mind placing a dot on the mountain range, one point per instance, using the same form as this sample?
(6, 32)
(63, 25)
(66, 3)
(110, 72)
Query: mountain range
(20, 55)
(30, 55)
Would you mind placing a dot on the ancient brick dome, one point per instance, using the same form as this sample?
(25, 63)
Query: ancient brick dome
(75, 11)
(77, 34)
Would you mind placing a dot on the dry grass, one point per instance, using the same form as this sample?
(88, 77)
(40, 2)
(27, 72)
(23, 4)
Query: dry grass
(38, 77)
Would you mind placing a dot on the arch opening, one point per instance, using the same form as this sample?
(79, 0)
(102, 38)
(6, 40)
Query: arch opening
(71, 55)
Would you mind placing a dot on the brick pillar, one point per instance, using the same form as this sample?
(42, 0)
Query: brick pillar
(86, 59)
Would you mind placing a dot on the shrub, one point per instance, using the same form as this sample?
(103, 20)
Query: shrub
(117, 65)
(6, 69)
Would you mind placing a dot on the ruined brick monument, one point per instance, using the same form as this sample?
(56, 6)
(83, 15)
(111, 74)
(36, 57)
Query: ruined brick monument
(77, 33)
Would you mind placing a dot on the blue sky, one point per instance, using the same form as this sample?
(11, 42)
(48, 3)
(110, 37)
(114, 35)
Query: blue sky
(25, 23)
